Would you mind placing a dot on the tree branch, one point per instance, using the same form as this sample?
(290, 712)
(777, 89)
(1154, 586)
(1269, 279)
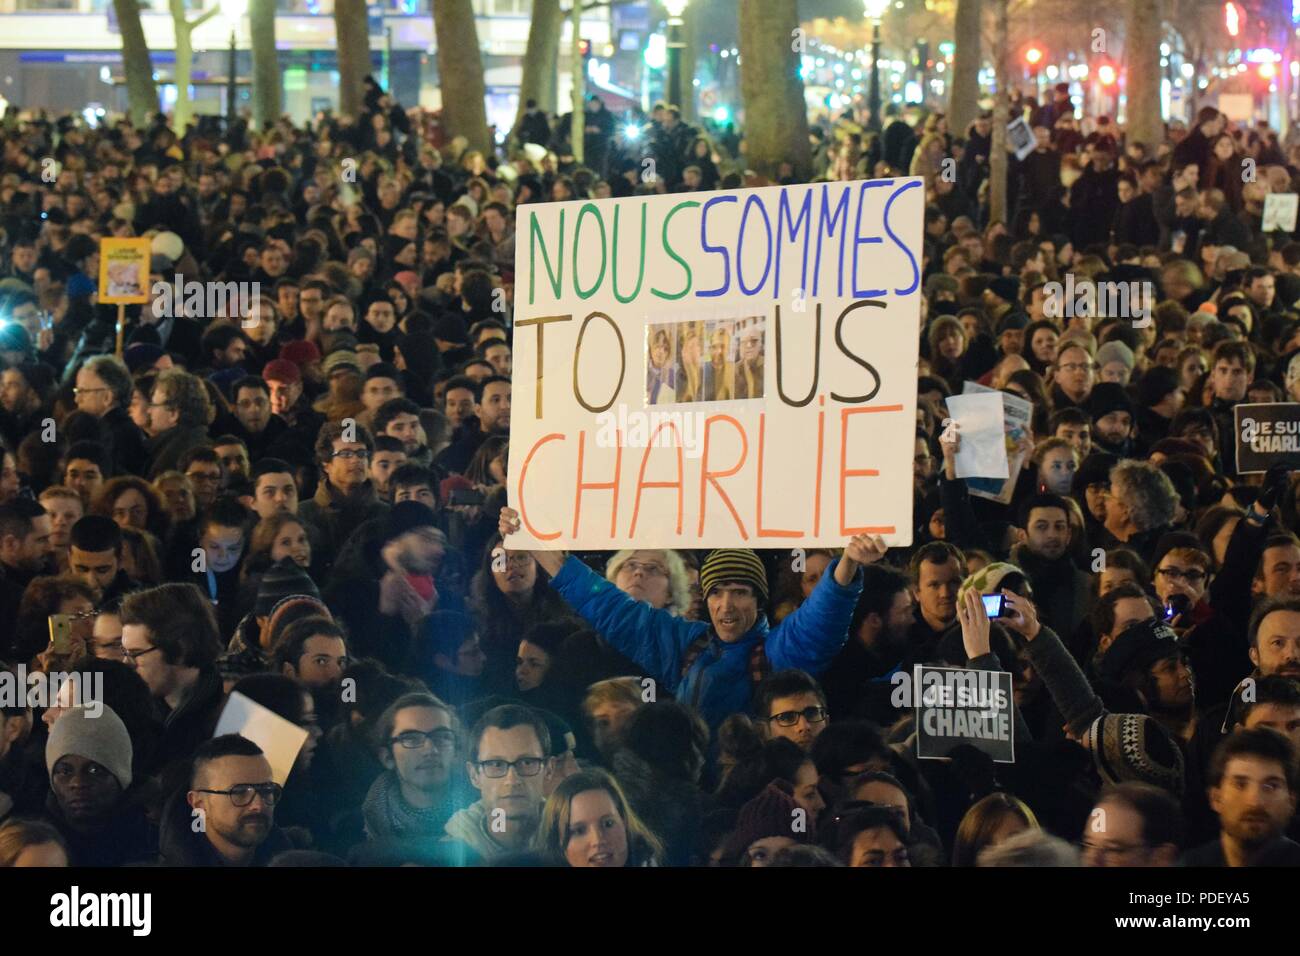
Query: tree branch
(205, 17)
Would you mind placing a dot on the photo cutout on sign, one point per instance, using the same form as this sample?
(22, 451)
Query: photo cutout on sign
(661, 369)
(749, 367)
(691, 361)
(720, 372)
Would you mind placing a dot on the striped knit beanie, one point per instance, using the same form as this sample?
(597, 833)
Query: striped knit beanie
(734, 564)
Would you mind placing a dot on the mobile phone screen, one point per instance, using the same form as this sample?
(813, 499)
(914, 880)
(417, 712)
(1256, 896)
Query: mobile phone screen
(993, 604)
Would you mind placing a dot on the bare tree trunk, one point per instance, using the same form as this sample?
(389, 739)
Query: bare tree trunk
(266, 63)
(964, 92)
(1001, 109)
(577, 122)
(776, 117)
(184, 29)
(137, 65)
(541, 57)
(460, 73)
(184, 68)
(1142, 36)
(541, 60)
(352, 33)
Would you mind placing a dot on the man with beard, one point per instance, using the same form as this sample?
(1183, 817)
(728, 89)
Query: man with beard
(491, 417)
(1253, 784)
(314, 652)
(25, 552)
(1060, 588)
(856, 683)
(1149, 673)
(231, 790)
(413, 798)
(1112, 414)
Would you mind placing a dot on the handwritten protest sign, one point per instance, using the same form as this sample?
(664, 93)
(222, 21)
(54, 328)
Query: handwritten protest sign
(957, 705)
(1267, 434)
(721, 370)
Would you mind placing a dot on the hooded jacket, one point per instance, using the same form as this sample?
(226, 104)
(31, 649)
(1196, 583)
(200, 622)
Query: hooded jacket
(718, 681)
(470, 828)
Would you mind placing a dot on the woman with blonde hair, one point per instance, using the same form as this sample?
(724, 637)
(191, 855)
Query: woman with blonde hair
(657, 577)
(587, 822)
(31, 843)
(989, 822)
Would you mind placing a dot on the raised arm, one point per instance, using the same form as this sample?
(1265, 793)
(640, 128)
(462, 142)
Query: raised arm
(652, 637)
(1070, 690)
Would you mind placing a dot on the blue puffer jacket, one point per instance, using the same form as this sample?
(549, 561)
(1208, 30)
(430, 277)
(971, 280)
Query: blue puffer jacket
(718, 683)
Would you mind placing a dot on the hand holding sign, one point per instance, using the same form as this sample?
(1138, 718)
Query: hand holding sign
(509, 523)
(862, 549)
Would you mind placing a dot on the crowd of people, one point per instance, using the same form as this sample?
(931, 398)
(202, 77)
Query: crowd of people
(303, 503)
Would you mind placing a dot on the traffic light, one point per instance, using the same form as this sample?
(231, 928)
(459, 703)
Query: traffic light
(584, 47)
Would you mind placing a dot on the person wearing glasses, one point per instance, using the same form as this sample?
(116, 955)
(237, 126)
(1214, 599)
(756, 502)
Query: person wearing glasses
(508, 765)
(346, 497)
(1133, 824)
(179, 412)
(169, 635)
(793, 705)
(417, 742)
(103, 389)
(1074, 376)
(232, 792)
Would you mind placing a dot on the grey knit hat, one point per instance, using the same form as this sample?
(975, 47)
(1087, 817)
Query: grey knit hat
(102, 738)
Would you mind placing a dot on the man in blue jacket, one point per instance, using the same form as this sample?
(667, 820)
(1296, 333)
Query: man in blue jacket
(713, 666)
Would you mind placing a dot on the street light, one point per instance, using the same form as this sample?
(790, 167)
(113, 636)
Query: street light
(875, 10)
(233, 11)
(1034, 56)
(676, 44)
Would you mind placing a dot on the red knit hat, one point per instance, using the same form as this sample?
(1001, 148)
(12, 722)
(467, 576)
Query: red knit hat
(281, 370)
(300, 352)
(770, 814)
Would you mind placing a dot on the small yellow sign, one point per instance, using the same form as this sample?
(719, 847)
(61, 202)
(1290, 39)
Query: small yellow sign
(124, 271)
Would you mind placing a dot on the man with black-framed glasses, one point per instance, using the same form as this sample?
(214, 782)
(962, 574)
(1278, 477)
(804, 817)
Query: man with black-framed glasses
(508, 765)
(792, 705)
(1133, 824)
(227, 816)
(417, 743)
